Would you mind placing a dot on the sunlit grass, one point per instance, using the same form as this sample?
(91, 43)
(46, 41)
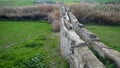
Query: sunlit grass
(16, 2)
(31, 2)
(25, 43)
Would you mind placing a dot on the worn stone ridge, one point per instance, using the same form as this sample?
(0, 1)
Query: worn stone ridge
(87, 57)
(112, 55)
(93, 41)
(73, 48)
(76, 52)
(74, 38)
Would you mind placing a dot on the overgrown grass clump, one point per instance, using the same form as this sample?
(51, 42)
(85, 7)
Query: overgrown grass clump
(29, 44)
(33, 43)
(33, 62)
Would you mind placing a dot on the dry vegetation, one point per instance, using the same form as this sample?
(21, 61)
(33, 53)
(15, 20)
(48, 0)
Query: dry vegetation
(85, 12)
(54, 19)
(28, 12)
(95, 12)
(38, 12)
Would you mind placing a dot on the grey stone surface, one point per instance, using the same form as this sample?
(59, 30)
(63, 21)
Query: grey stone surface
(112, 55)
(93, 41)
(90, 61)
(74, 49)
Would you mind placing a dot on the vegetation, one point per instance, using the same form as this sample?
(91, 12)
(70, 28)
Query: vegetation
(32, 44)
(38, 12)
(97, 13)
(29, 12)
(16, 2)
(29, 44)
(110, 35)
(101, 1)
(31, 2)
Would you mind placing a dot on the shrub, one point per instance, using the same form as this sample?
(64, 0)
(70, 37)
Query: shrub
(94, 12)
(56, 25)
(54, 19)
(55, 15)
(27, 12)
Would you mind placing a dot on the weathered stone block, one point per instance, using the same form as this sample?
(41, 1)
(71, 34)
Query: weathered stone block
(88, 58)
(112, 55)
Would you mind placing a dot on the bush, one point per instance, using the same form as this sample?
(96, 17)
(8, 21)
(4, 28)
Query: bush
(56, 25)
(27, 12)
(94, 12)
(54, 19)
(55, 15)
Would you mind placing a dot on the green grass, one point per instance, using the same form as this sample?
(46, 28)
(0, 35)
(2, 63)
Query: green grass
(30, 2)
(29, 44)
(16, 2)
(110, 35)
(101, 1)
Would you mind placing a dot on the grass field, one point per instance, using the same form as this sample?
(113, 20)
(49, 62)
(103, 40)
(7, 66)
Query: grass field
(31, 2)
(16, 2)
(29, 44)
(101, 1)
(110, 35)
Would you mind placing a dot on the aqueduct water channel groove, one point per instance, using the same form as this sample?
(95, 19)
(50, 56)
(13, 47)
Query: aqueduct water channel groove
(75, 41)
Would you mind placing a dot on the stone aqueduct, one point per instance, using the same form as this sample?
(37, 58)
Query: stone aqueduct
(75, 41)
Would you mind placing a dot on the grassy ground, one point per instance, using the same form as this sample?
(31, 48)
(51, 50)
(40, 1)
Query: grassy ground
(101, 1)
(16, 2)
(110, 35)
(29, 44)
(30, 2)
